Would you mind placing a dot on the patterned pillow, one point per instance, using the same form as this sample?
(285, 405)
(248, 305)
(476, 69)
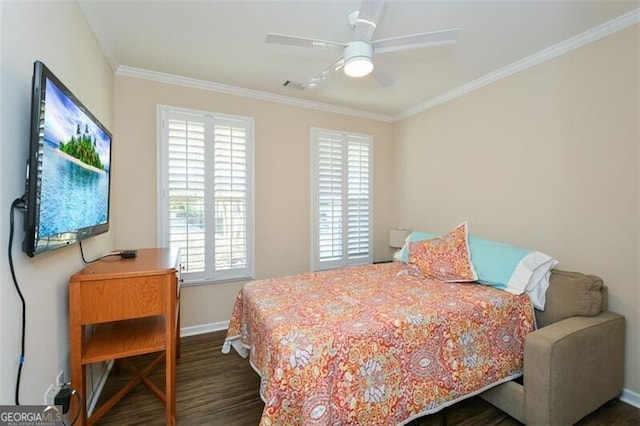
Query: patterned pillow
(445, 258)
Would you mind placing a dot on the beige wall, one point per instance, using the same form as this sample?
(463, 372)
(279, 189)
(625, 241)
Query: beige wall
(282, 181)
(546, 159)
(57, 34)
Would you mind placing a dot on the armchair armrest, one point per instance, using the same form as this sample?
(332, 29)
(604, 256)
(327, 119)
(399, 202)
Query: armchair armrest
(572, 367)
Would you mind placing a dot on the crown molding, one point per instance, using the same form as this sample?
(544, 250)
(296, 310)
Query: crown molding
(596, 33)
(193, 83)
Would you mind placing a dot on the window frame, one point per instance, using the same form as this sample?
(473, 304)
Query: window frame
(316, 263)
(210, 275)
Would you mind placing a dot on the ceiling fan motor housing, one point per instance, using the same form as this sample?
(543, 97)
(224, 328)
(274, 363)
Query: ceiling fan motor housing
(358, 58)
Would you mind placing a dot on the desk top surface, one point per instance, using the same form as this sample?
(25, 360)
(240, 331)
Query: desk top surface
(149, 261)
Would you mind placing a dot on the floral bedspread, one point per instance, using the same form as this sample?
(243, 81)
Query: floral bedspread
(375, 344)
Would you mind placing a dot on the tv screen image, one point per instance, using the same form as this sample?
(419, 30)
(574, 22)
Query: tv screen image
(69, 168)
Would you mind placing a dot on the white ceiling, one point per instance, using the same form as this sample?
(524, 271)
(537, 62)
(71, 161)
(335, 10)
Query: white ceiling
(224, 42)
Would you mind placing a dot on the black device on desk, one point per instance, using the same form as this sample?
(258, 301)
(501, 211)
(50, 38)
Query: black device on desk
(128, 254)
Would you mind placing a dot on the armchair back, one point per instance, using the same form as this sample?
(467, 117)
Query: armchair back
(572, 294)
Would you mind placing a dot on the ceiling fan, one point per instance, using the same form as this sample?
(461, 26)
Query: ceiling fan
(357, 54)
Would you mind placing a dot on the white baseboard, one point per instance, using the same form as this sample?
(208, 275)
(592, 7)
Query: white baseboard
(97, 389)
(630, 397)
(204, 328)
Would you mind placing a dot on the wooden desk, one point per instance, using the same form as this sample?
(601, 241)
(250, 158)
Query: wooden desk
(134, 307)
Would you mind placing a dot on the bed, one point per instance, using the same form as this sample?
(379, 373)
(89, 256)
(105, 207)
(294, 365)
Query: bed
(375, 344)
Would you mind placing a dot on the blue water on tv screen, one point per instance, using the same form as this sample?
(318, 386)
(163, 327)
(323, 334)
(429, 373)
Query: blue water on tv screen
(74, 191)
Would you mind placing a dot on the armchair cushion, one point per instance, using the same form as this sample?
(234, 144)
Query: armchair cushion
(571, 294)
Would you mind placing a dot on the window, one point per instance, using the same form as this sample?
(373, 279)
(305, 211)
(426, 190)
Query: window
(342, 199)
(205, 187)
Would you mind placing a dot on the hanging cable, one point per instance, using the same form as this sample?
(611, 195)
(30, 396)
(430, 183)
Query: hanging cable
(80, 407)
(18, 203)
(117, 253)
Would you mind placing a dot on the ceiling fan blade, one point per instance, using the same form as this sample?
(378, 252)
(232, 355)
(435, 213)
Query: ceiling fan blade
(303, 42)
(383, 77)
(325, 73)
(368, 17)
(395, 44)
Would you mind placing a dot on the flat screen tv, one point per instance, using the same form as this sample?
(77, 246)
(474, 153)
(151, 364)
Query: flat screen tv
(68, 170)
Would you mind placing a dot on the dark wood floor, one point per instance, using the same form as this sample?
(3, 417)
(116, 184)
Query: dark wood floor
(217, 389)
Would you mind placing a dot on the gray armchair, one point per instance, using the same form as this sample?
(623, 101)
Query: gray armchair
(574, 362)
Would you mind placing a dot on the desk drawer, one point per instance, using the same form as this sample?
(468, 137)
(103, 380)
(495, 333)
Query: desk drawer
(118, 299)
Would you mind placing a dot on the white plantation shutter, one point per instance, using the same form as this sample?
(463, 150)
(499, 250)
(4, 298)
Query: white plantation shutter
(206, 202)
(358, 198)
(342, 199)
(329, 197)
(186, 189)
(230, 195)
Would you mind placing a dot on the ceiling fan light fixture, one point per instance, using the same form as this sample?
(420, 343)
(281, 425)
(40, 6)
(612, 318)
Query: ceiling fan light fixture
(358, 59)
(358, 67)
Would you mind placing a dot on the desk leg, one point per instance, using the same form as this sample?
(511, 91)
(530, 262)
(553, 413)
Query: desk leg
(172, 331)
(79, 383)
(178, 332)
(170, 361)
(76, 337)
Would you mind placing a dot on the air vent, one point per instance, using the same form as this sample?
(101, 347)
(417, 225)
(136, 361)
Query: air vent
(293, 85)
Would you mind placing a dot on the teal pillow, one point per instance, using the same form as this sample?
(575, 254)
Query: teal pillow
(495, 261)
(513, 269)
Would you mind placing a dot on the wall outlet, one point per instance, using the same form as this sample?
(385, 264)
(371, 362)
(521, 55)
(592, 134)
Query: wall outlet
(52, 390)
(50, 395)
